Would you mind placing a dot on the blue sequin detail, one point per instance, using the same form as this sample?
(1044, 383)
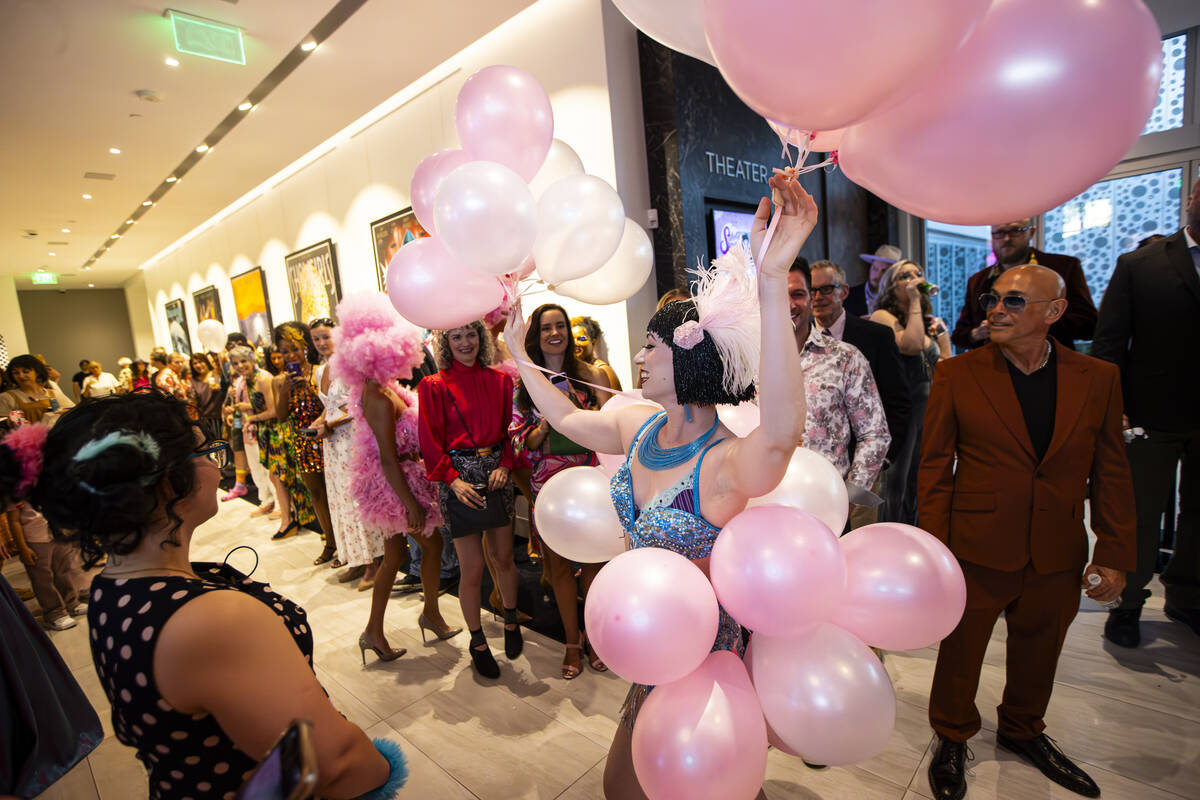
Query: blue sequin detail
(672, 521)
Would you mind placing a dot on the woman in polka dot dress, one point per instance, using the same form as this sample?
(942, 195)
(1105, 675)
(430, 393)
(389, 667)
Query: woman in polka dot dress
(203, 666)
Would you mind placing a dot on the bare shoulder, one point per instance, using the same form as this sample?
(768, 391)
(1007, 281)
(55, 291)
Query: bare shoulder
(594, 374)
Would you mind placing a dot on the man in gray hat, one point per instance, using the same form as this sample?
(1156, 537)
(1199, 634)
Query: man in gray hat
(861, 297)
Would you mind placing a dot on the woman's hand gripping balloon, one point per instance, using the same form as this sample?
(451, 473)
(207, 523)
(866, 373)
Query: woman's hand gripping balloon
(797, 217)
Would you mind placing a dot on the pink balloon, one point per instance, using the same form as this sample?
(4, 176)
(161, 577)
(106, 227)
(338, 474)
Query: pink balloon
(820, 142)
(904, 588)
(825, 694)
(1015, 110)
(430, 289)
(651, 615)
(486, 217)
(828, 83)
(702, 736)
(524, 271)
(777, 570)
(772, 737)
(740, 419)
(428, 177)
(503, 114)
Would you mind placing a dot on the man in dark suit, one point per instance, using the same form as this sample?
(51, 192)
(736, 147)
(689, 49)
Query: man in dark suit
(1014, 432)
(1150, 327)
(1011, 243)
(878, 344)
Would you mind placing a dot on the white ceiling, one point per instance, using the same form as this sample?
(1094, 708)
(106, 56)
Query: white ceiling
(73, 66)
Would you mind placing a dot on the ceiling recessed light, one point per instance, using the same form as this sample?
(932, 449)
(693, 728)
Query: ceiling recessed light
(245, 105)
(172, 62)
(202, 148)
(53, 253)
(91, 286)
(115, 236)
(147, 202)
(87, 197)
(41, 269)
(66, 230)
(130, 221)
(85, 269)
(116, 151)
(171, 179)
(309, 46)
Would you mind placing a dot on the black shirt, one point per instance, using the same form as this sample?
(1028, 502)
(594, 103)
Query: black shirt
(1038, 393)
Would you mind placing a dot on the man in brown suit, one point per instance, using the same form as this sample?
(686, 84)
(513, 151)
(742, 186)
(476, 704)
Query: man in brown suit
(1013, 433)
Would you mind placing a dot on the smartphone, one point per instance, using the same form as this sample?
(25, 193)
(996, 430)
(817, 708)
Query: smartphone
(293, 368)
(561, 383)
(289, 770)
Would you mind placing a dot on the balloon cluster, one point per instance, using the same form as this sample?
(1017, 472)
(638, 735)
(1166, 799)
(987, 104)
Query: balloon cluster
(809, 684)
(966, 111)
(512, 203)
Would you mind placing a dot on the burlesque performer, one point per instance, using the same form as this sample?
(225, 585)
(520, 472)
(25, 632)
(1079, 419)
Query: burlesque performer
(375, 347)
(686, 474)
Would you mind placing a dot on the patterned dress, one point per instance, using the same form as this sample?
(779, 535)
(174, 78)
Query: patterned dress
(306, 406)
(273, 454)
(357, 543)
(672, 521)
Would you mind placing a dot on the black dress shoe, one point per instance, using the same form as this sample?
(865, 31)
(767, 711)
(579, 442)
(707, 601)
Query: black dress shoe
(1188, 616)
(948, 770)
(1043, 753)
(1122, 627)
(409, 585)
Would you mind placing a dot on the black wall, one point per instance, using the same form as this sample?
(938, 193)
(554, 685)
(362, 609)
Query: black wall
(705, 145)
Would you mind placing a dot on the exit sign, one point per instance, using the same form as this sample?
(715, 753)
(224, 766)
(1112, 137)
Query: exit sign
(202, 37)
(44, 278)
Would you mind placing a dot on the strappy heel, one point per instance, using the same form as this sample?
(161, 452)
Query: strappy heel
(425, 625)
(514, 643)
(592, 656)
(389, 655)
(483, 660)
(569, 671)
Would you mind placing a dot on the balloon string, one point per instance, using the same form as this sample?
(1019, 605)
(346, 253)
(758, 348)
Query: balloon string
(766, 242)
(630, 395)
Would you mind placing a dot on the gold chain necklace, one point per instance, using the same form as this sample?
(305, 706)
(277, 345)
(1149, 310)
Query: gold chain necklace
(1045, 358)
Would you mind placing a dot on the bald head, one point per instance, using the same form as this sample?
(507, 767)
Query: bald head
(1042, 291)
(1042, 282)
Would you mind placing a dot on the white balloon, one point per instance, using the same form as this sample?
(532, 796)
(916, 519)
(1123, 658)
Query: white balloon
(580, 221)
(486, 217)
(211, 334)
(814, 485)
(575, 516)
(621, 276)
(560, 163)
(740, 419)
(679, 24)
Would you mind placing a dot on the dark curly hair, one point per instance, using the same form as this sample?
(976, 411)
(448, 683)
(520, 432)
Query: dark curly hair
(571, 365)
(299, 333)
(106, 503)
(699, 371)
(267, 351)
(28, 362)
(487, 345)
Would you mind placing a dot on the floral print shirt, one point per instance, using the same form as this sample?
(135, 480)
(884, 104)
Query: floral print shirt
(843, 405)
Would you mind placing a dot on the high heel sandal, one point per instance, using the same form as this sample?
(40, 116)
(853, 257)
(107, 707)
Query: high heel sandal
(483, 660)
(569, 671)
(425, 625)
(364, 645)
(326, 555)
(592, 656)
(513, 642)
(286, 532)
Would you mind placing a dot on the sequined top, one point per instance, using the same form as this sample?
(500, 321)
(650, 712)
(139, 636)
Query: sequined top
(304, 408)
(672, 521)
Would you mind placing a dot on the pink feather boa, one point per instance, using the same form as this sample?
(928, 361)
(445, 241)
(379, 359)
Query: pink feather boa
(26, 444)
(375, 343)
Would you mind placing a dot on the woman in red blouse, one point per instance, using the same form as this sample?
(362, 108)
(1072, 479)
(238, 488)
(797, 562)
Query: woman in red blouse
(465, 410)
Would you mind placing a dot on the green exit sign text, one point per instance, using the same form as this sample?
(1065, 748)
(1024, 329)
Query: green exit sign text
(44, 278)
(202, 37)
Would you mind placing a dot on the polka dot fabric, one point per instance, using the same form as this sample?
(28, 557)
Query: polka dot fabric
(185, 755)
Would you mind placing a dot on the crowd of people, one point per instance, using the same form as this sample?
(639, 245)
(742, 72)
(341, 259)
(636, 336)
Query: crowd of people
(391, 443)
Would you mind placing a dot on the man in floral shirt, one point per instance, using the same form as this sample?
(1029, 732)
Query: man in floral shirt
(846, 423)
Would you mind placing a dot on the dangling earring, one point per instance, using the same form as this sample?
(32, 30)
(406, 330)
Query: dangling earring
(687, 412)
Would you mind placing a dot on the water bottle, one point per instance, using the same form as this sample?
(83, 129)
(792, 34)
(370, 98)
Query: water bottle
(1095, 580)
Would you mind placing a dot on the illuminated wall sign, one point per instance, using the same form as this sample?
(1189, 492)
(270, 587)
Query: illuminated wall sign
(202, 37)
(44, 278)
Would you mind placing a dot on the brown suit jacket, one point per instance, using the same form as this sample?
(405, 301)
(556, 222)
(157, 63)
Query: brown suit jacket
(998, 506)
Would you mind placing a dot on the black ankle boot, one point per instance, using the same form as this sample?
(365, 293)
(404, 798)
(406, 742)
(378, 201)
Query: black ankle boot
(513, 643)
(1122, 627)
(484, 661)
(948, 770)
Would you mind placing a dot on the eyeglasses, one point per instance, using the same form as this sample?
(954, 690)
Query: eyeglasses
(217, 451)
(1005, 233)
(1013, 303)
(827, 290)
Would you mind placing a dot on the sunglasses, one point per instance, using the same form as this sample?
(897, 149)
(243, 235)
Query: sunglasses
(1014, 304)
(217, 451)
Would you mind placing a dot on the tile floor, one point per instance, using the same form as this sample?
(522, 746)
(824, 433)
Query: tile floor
(1131, 717)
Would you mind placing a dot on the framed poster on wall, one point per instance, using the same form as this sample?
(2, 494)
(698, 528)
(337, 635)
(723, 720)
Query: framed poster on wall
(390, 234)
(177, 327)
(250, 306)
(208, 304)
(313, 280)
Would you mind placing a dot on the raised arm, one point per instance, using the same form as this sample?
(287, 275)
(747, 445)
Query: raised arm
(755, 465)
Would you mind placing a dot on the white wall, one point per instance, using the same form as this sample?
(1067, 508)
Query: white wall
(594, 88)
(138, 303)
(12, 324)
